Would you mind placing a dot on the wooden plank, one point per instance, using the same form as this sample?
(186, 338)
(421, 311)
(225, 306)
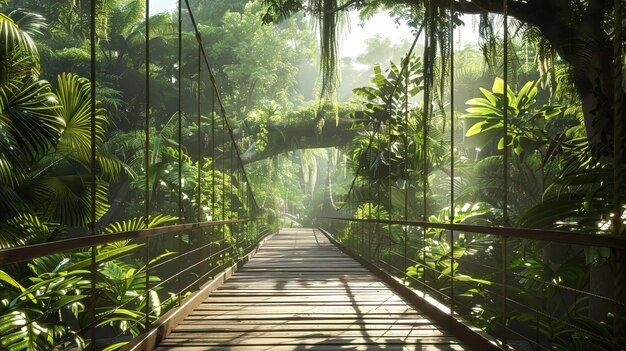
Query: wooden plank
(299, 298)
(282, 288)
(307, 327)
(319, 347)
(326, 285)
(225, 336)
(307, 320)
(311, 339)
(299, 293)
(322, 308)
(324, 294)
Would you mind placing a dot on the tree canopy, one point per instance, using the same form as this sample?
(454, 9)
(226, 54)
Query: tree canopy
(579, 31)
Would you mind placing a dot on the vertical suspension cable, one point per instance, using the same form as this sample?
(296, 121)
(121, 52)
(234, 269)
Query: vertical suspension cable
(618, 168)
(199, 142)
(426, 112)
(230, 176)
(223, 176)
(180, 113)
(505, 11)
(240, 203)
(213, 161)
(223, 196)
(452, 209)
(505, 112)
(212, 168)
(93, 170)
(180, 140)
(199, 135)
(618, 118)
(406, 162)
(147, 164)
(389, 186)
(369, 208)
(361, 224)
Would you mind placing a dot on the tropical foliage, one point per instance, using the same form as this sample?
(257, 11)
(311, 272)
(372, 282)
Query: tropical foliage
(549, 186)
(392, 156)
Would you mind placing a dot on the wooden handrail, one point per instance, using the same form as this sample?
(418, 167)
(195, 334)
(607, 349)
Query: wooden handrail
(560, 236)
(25, 253)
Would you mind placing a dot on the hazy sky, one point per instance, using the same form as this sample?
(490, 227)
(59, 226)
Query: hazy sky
(353, 38)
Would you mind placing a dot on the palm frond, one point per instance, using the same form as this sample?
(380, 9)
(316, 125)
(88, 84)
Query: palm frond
(139, 223)
(23, 229)
(15, 40)
(74, 95)
(66, 199)
(29, 127)
(28, 22)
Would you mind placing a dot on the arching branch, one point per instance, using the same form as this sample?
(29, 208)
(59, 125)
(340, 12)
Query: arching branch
(304, 136)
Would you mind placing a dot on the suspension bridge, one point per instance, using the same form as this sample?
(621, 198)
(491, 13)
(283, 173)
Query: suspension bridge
(231, 282)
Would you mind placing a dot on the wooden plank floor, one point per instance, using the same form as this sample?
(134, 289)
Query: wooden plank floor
(301, 293)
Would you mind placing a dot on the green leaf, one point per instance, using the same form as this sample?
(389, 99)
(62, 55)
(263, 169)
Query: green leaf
(501, 144)
(493, 100)
(5, 277)
(29, 125)
(104, 256)
(75, 98)
(467, 278)
(65, 301)
(498, 86)
(477, 128)
(115, 346)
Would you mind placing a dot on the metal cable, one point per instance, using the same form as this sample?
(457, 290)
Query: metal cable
(92, 107)
(147, 160)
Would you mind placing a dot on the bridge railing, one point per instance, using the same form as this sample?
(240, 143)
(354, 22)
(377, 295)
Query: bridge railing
(487, 276)
(105, 290)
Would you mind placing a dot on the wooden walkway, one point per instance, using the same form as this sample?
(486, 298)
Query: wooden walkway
(301, 293)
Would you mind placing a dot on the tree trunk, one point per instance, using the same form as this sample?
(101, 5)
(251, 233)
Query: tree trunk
(579, 35)
(580, 39)
(576, 30)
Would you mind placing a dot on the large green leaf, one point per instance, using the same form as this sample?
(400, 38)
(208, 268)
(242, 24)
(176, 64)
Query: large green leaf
(138, 223)
(104, 256)
(17, 45)
(526, 123)
(66, 199)
(23, 229)
(29, 127)
(74, 95)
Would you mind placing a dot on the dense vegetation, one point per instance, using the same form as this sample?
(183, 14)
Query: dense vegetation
(378, 153)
